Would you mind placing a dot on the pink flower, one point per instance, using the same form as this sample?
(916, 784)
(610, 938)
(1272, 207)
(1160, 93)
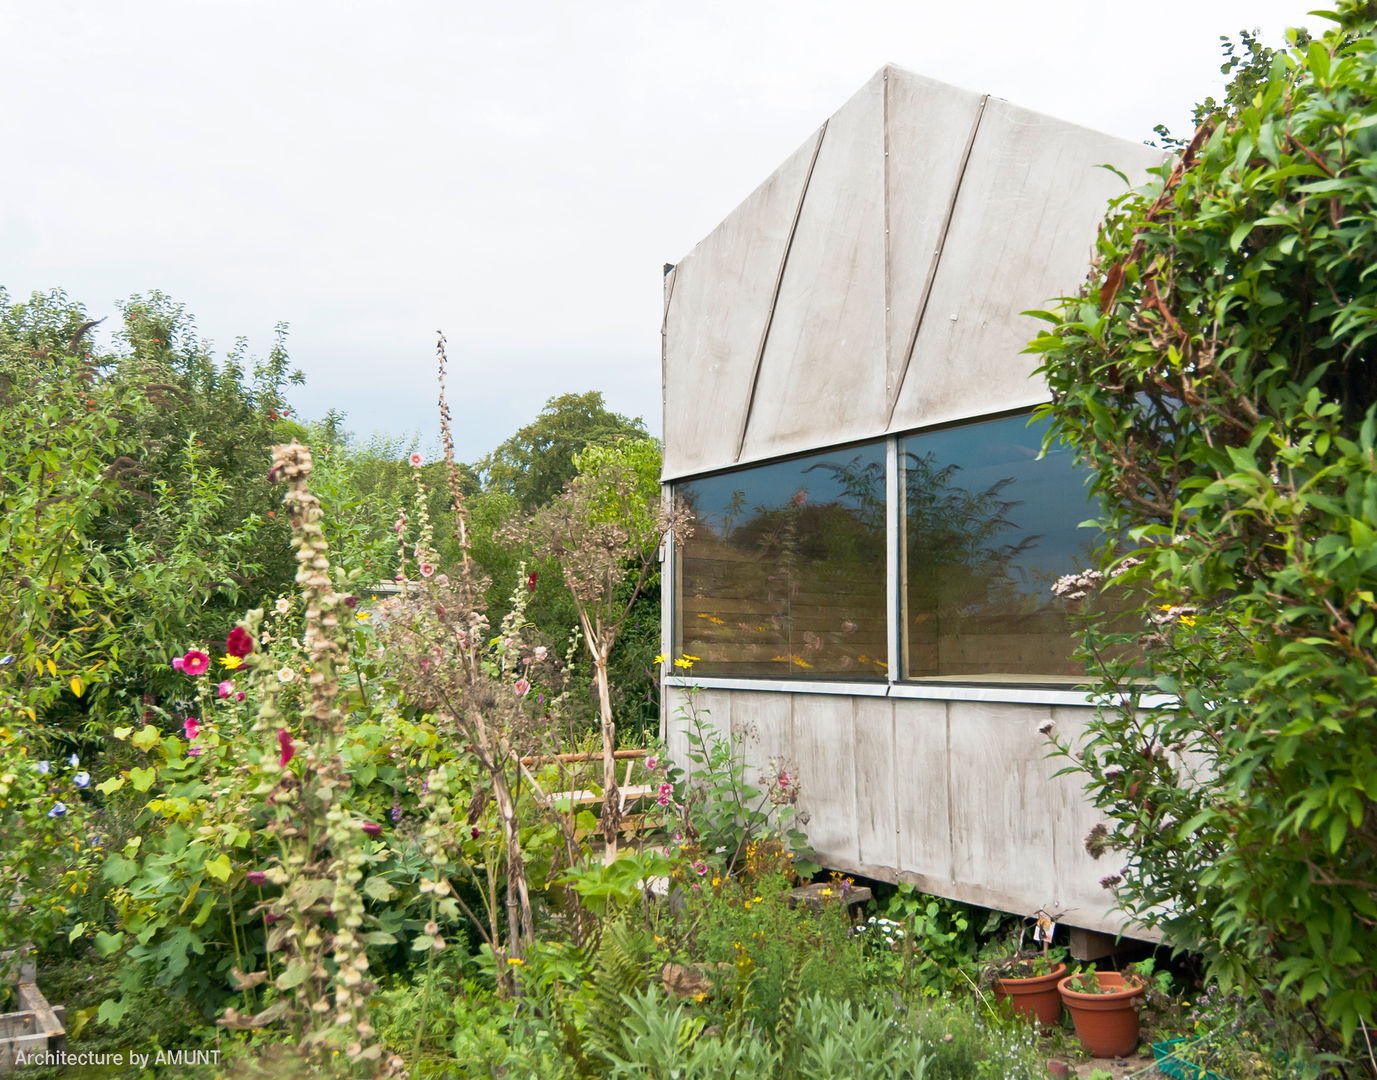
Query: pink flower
(427, 569)
(284, 740)
(225, 689)
(239, 696)
(192, 727)
(256, 877)
(666, 790)
(371, 828)
(783, 778)
(522, 687)
(239, 643)
(193, 751)
(652, 763)
(700, 868)
(416, 461)
(195, 662)
(178, 663)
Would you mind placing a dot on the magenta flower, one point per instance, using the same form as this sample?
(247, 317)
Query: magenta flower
(239, 696)
(193, 751)
(225, 689)
(371, 828)
(284, 740)
(239, 643)
(192, 727)
(652, 763)
(195, 662)
(522, 687)
(416, 461)
(178, 663)
(700, 868)
(256, 877)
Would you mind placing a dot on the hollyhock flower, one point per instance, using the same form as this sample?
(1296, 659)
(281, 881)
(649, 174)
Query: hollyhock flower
(192, 727)
(286, 675)
(59, 810)
(541, 652)
(256, 877)
(652, 763)
(239, 696)
(474, 833)
(371, 828)
(195, 662)
(82, 779)
(531, 581)
(283, 605)
(416, 461)
(522, 687)
(43, 768)
(284, 740)
(178, 664)
(239, 642)
(225, 689)
(427, 569)
(351, 602)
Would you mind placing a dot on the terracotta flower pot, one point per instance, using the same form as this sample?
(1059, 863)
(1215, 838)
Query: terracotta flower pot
(1036, 997)
(1106, 1024)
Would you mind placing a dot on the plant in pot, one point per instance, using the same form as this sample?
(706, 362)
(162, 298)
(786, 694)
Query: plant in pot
(1028, 979)
(1104, 1009)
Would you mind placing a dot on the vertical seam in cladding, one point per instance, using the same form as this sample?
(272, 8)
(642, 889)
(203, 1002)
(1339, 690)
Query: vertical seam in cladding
(664, 357)
(855, 784)
(774, 297)
(884, 198)
(926, 294)
(951, 803)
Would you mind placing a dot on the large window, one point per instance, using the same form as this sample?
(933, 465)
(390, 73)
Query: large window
(784, 573)
(987, 527)
(788, 568)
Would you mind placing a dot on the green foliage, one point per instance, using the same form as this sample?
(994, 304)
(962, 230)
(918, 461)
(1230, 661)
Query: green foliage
(921, 943)
(1217, 371)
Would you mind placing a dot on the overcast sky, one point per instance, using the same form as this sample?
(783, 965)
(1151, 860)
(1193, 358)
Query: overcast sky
(515, 174)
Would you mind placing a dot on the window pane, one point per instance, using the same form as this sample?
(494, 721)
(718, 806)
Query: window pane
(784, 574)
(987, 529)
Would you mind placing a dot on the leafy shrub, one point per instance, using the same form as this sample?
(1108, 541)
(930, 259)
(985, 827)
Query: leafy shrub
(1217, 371)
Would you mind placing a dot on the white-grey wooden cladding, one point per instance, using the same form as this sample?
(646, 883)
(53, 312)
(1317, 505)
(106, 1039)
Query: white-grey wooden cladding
(789, 327)
(957, 797)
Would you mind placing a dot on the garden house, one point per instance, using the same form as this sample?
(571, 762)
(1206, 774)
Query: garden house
(846, 414)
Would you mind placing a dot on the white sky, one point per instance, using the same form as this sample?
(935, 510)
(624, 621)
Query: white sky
(515, 174)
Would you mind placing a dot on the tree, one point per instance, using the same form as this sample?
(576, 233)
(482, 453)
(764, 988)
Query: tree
(536, 462)
(1218, 371)
(605, 527)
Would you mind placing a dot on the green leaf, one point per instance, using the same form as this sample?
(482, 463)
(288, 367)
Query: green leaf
(141, 778)
(378, 888)
(108, 944)
(295, 974)
(218, 867)
(146, 739)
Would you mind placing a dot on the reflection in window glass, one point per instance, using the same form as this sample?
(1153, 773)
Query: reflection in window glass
(987, 529)
(784, 573)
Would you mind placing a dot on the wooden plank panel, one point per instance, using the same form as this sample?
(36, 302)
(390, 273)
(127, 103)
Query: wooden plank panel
(824, 740)
(1003, 803)
(762, 728)
(928, 124)
(920, 788)
(1022, 233)
(715, 317)
(877, 824)
(826, 342)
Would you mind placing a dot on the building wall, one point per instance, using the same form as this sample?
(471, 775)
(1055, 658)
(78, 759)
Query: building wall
(955, 795)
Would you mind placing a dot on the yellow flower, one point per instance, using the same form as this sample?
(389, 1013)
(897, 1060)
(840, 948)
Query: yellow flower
(683, 662)
(757, 900)
(825, 892)
(748, 905)
(716, 882)
(688, 657)
(699, 997)
(661, 658)
(1187, 620)
(231, 662)
(516, 961)
(363, 616)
